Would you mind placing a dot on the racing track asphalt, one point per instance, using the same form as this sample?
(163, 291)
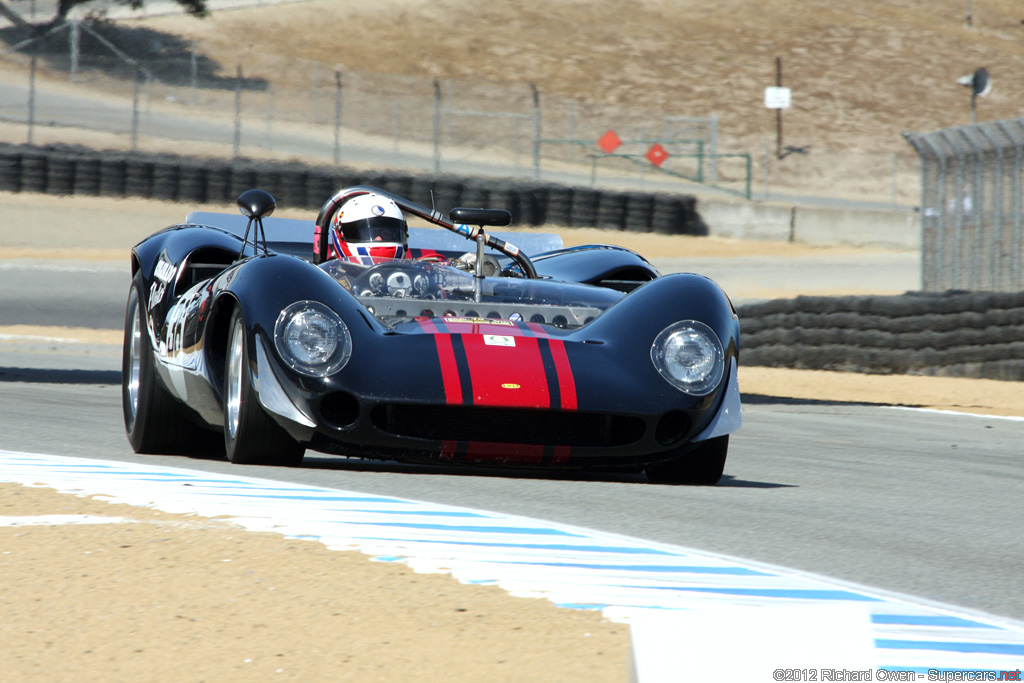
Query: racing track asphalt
(64, 293)
(914, 502)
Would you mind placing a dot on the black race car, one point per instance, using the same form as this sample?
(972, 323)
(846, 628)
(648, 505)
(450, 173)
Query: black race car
(468, 352)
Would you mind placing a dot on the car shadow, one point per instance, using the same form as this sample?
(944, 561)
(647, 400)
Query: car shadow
(765, 399)
(47, 376)
(340, 463)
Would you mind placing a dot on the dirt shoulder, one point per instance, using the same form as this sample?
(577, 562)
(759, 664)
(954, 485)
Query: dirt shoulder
(160, 597)
(959, 394)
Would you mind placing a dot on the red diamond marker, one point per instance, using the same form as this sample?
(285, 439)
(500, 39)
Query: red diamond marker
(657, 154)
(609, 142)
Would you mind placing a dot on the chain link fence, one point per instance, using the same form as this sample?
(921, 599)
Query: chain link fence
(145, 86)
(972, 206)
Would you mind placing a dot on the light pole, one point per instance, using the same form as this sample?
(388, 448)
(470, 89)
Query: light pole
(980, 84)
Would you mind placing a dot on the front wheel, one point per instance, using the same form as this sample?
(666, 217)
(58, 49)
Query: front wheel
(251, 436)
(702, 466)
(152, 421)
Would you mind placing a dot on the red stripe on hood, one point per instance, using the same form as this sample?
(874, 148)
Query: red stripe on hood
(566, 382)
(506, 375)
(446, 356)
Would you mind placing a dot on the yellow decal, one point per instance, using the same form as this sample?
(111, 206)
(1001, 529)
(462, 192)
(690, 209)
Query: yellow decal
(509, 385)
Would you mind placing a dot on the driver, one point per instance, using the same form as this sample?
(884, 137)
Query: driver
(368, 229)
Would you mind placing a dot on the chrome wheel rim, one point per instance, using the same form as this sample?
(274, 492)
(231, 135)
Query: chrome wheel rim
(134, 357)
(233, 404)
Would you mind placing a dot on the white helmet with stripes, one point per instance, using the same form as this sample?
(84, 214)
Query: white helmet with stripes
(369, 229)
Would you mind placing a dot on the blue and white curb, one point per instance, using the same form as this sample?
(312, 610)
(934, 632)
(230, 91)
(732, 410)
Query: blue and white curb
(570, 566)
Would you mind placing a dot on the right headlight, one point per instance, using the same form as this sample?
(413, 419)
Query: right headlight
(312, 339)
(689, 355)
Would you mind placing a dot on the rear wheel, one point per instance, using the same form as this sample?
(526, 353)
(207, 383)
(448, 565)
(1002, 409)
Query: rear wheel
(251, 436)
(152, 421)
(702, 466)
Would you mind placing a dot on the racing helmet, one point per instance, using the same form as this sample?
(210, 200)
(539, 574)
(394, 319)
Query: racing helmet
(369, 229)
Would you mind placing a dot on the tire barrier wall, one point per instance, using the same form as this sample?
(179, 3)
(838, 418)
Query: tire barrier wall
(64, 170)
(953, 334)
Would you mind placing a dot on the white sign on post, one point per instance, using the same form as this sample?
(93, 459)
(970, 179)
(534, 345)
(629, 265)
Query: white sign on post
(777, 98)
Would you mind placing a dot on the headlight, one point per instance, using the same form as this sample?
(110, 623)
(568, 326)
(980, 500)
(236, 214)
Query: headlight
(312, 339)
(689, 355)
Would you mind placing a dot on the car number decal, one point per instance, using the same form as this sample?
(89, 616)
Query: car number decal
(499, 340)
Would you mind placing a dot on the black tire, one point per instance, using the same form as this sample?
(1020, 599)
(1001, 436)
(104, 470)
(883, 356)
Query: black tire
(251, 437)
(10, 172)
(113, 176)
(138, 178)
(87, 176)
(701, 466)
(152, 422)
(33, 174)
(60, 174)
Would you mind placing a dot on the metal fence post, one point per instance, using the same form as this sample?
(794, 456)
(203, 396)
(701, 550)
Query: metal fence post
(337, 118)
(31, 96)
(1016, 266)
(937, 258)
(437, 126)
(956, 210)
(536, 130)
(713, 144)
(394, 126)
(268, 144)
(75, 39)
(135, 110)
(238, 113)
(193, 72)
(317, 79)
(747, 190)
(995, 277)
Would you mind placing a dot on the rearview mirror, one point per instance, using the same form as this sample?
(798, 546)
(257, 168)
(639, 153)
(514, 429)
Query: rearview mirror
(496, 217)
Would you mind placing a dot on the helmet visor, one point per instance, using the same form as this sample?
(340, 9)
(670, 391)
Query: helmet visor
(375, 229)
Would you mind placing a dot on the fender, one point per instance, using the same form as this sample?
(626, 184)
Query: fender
(592, 264)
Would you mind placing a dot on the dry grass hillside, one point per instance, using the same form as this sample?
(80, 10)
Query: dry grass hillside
(861, 71)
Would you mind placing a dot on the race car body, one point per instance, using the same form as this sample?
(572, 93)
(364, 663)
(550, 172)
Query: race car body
(564, 358)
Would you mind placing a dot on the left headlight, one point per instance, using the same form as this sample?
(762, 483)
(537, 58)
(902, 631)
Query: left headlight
(312, 339)
(689, 355)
